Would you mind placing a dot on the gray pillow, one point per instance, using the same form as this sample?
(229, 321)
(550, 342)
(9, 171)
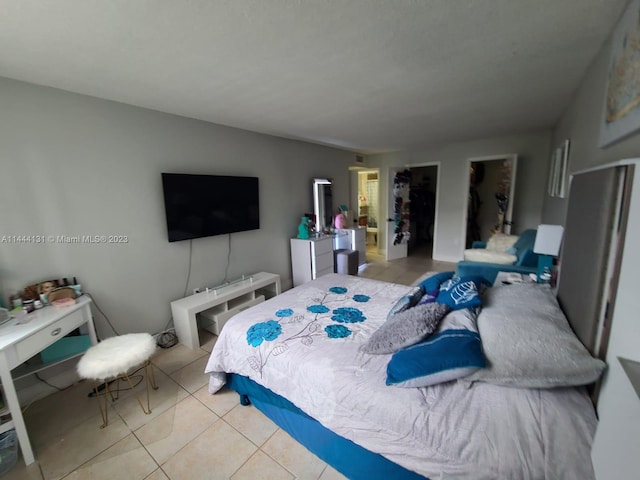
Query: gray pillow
(406, 328)
(528, 342)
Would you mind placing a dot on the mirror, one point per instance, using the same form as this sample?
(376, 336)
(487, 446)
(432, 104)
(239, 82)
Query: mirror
(322, 203)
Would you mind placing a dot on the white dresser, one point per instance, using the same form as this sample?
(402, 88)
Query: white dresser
(311, 258)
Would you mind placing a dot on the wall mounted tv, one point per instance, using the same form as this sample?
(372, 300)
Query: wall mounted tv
(206, 205)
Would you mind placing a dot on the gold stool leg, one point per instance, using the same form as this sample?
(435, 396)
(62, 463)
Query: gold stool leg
(148, 409)
(103, 403)
(151, 380)
(103, 410)
(117, 394)
(151, 375)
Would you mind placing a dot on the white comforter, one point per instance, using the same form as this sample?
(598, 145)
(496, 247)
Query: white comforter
(291, 345)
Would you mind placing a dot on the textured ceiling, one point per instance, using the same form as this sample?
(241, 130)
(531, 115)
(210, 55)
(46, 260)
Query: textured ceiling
(367, 75)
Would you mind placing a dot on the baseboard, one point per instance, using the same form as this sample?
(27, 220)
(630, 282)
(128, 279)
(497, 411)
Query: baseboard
(446, 259)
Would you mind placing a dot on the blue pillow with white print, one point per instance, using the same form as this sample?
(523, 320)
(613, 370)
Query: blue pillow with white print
(480, 282)
(461, 292)
(431, 285)
(427, 298)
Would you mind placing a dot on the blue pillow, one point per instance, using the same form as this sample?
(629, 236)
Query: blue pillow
(453, 352)
(480, 281)
(431, 285)
(427, 298)
(406, 301)
(460, 293)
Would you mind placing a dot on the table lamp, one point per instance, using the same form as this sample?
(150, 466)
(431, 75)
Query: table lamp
(547, 246)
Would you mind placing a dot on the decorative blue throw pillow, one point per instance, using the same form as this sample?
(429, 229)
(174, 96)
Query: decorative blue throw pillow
(427, 298)
(480, 282)
(406, 301)
(460, 293)
(432, 284)
(454, 351)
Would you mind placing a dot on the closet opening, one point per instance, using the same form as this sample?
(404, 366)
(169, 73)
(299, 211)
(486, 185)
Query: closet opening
(422, 210)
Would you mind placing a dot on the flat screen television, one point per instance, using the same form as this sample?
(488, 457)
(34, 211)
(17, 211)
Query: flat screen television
(205, 205)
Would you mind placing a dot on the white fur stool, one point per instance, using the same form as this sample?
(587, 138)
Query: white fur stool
(114, 359)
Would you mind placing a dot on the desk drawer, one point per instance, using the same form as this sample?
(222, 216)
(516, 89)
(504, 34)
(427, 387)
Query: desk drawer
(28, 347)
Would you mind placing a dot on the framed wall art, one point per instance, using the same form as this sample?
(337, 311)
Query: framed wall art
(557, 184)
(621, 110)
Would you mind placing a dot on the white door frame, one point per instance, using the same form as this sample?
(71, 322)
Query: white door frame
(508, 217)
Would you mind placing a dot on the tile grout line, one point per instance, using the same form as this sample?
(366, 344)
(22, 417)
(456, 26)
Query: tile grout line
(259, 447)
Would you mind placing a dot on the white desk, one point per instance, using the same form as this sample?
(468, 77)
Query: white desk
(18, 343)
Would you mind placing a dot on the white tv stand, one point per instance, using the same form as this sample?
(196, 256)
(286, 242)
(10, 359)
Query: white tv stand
(223, 302)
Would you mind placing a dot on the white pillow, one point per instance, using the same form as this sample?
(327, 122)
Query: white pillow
(489, 256)
(528, 342)
(501, 242)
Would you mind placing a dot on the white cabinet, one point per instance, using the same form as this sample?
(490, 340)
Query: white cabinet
(311, 258)
(221, 303)
(615, 452)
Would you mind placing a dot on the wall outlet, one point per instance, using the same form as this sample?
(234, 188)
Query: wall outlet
(196, 290)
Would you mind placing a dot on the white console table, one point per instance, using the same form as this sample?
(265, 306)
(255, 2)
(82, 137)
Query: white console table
(20, 342)
(223, 302)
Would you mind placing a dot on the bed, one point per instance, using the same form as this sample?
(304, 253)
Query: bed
(302, 359)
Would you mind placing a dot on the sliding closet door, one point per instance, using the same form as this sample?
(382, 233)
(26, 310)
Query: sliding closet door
(590, 228)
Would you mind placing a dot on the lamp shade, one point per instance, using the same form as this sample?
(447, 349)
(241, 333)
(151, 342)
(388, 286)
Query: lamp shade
(548, 240)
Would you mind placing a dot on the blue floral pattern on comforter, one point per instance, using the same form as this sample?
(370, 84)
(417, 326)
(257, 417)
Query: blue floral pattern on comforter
(271, 330)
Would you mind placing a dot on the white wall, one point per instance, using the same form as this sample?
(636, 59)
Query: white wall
(615, 450)
(74, 165)
(533, 160)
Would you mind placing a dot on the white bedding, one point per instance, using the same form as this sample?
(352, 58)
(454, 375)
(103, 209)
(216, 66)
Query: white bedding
(482, 432)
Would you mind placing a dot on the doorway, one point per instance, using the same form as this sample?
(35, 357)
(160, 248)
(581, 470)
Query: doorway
(368, 210)
(491, 197)
(422, 210)
(413, 219)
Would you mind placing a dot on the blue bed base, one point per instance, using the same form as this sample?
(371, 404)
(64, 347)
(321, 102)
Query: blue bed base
(350, 459)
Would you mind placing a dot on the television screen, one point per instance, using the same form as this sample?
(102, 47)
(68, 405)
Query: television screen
(206, 205)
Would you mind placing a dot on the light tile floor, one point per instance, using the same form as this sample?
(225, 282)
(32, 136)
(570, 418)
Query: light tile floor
(190, 434)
